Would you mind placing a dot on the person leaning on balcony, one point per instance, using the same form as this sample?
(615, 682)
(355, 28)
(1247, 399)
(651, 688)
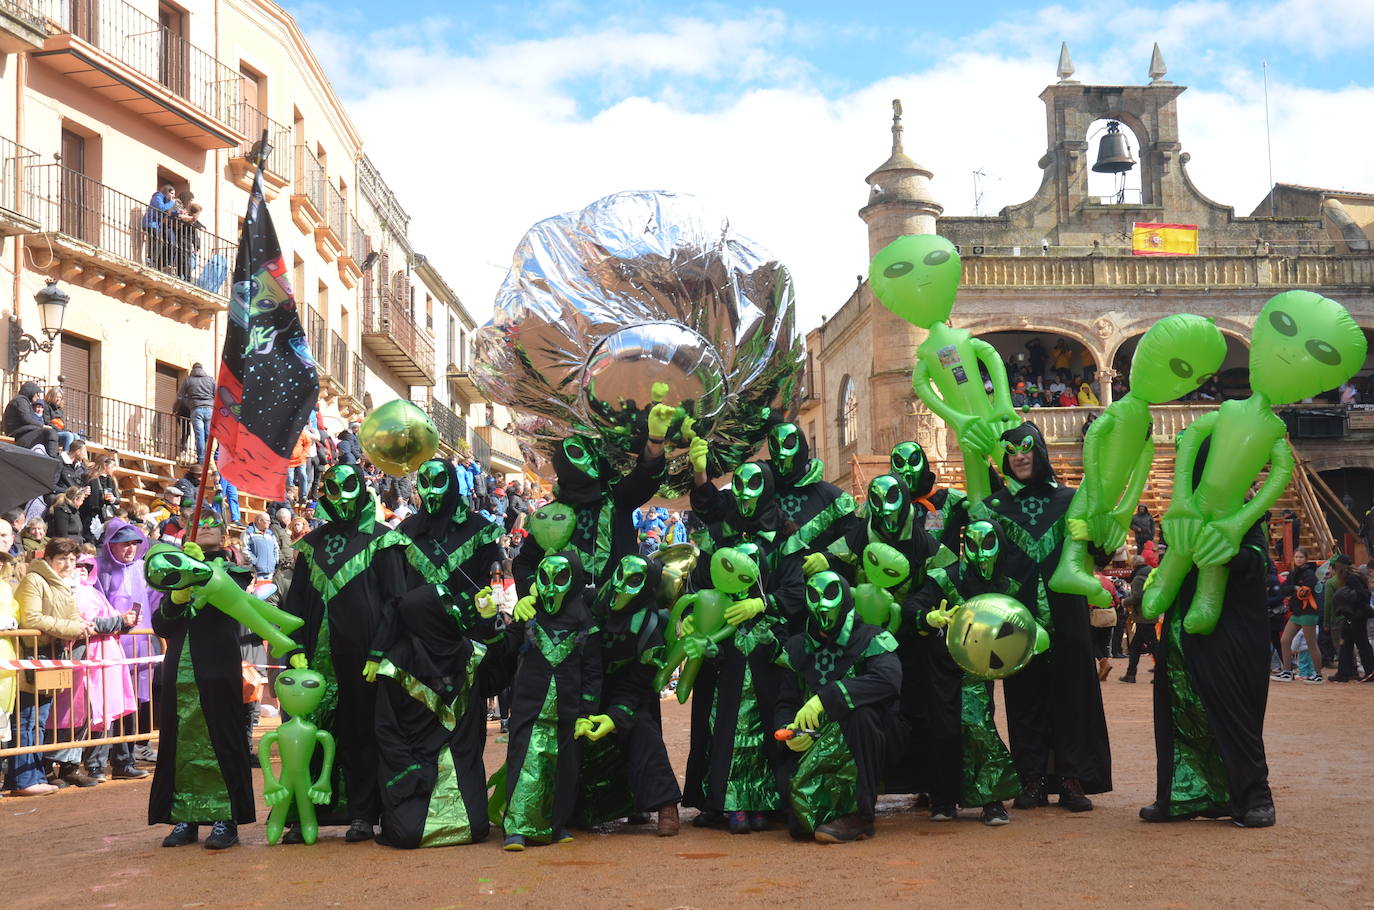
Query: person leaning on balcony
(185, 240)
(23, 423)
(157, 225)
(198, 392)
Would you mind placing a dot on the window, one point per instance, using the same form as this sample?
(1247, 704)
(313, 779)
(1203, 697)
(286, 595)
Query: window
(849, 413)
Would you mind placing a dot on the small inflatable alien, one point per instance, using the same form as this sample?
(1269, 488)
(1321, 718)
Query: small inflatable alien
(733, 573)
(299, 692)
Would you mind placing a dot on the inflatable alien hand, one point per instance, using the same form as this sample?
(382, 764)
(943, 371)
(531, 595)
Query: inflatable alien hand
(732, 573)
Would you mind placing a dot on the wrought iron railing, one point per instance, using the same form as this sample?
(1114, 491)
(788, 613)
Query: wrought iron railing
(310, 178)
(253, 122)
(119, 425)
(359, 386)
(452, 428)
(28, 12)
(70, 203)
(340, 366)
(337, 216)
(357, 242)
(384, 316)
(316, 334)
(14, 159)
(144, 44)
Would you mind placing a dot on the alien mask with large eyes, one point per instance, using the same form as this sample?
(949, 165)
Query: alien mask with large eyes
(554, 576)
(628, 581)
(784, 447)
(748, 486)
(825, 598)
(887, 503)
(908, 461)
(981, 547)
(344, 492)
(582, 454)
(433, 481)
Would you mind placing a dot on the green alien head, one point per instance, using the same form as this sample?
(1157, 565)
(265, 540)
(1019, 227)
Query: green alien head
(299, 691)
(584, 454)
(827, 595)
(888, 503)
(552, 526)
(167, 568)
(1177, 355)
(733, 572)
(908, 461)
(555, 578)
(1303, 344)
(916, 277)
(345, 492)
(749, 484)
(785, 447)
(981, 546)
(884, 566)
(631, 574)
(433, 481)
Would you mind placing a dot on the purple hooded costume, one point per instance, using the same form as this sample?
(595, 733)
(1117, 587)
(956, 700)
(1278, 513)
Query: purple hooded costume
(125, 588)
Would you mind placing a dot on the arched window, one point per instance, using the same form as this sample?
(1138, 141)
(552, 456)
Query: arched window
(849, 412)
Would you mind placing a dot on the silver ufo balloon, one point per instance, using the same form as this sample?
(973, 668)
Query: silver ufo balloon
(642, 297)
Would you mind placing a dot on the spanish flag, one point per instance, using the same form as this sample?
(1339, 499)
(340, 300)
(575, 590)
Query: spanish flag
(1151, 239)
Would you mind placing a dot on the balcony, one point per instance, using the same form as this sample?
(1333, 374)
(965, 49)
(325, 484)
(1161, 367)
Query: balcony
(462, 384)
(401, 346)
(452, 429)
(308, 205)
(505, 454)
(103, 239)
(276, 176)
(15, 206)
(331, 232)
(351, 262)
(128, 57)
(1212, 271)
(23, 28)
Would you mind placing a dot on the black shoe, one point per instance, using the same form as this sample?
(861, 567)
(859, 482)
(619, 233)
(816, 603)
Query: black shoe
(1128, 678)
(943, 813)
(292, 835)
(223, 835)
(358, 832)
(183, 833)
(737, 822)
(1261, 817)
(1339, 678)
(995, 814)
(1154, 812)
(758, 821)
(708, 818)
(1033, 795)
(129, 773)
(1071, 795)
(843, 830)
(637, 818)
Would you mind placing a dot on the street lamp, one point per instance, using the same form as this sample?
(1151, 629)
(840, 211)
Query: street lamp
(52, 307)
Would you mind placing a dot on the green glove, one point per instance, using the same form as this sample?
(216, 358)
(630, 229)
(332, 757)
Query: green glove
(941, 615)
(743, 610)
(813, 563)
(486, 604)
(800, 743)
(524, 609)
(370, 670)
(809, 715)
(658, 391)
(697, 451)
(601, 725)
(182, 596)
(581, 727)
(688, 429)
(299, 661)
(193, 550)
(660, 416)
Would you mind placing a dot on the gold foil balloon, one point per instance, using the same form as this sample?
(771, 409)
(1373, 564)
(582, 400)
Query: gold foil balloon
(398, 437)
(992, 636)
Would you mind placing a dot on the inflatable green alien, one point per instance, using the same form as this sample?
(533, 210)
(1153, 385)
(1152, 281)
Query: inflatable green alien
(733, 573)
(299, 692)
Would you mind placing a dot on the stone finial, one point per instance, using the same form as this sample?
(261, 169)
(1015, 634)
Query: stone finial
(1157, 67)
(1065, 69)
(897, 126)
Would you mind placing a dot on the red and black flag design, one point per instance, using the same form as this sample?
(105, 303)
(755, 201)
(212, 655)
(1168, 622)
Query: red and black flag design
(268, 381)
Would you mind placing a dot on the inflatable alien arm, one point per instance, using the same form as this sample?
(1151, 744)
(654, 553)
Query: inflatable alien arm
(1233, 528)
(1001, 388)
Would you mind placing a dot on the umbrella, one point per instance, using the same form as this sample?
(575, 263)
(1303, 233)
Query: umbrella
(25, 474)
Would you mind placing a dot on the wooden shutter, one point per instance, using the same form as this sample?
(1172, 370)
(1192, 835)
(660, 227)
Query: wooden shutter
(78, 384)
(167, 381)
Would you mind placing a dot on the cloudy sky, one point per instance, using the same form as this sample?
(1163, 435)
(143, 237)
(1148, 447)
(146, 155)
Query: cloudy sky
(486, 117)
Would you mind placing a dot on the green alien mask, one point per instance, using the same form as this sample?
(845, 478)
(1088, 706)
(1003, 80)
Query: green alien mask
(344, 492)
(628, 581)
(552, 526)
(555, 576)
(887, 503)
(582, 453)
(981, 547)
(168, 569)
(299, 691)
(748, 485)
(784, 447)
(825, 598)
(1303, 344)
(1177, 355)
(732, 572)
(908, 461)
(432, 481)
(884, 566)
(916, 277)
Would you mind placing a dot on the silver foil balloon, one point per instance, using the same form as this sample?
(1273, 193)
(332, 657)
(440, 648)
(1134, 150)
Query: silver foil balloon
(638, 289)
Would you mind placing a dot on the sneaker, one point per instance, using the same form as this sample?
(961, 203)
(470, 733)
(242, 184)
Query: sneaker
(1032, 795)
(668, 824)
(223, 835)
(737, 822)
(145, 753)
(843, 830)
(129, 773)
(358, 832)
(1368, 677)
(513, 843)
(1261, 817)
(1282, 676)
(943, 813)
(995, 814)
(76, 776)
(1127, 678)
(183, 833)
(1314, 678)
(758, 821)
(562, 836)
(1071, 795)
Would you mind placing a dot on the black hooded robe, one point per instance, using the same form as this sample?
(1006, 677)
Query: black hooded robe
(204, 769)
(346, 580)
(1055, 720)
(456, 552)
(431, 726)
(557, 681)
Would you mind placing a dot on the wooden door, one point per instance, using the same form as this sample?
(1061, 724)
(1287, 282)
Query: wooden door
(80, 196)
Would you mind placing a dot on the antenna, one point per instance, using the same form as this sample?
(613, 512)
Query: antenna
(1268, 140)
(978, 177)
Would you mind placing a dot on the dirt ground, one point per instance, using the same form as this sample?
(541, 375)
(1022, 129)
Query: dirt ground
(90, 848)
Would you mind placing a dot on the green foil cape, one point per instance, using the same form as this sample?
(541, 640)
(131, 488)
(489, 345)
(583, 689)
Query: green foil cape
(826, 784)
(1199, 781)
(529, 812)
(750, 786)
(199, 791)
(989, 774)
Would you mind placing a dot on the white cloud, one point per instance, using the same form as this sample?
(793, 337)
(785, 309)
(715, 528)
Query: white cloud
(506, 136)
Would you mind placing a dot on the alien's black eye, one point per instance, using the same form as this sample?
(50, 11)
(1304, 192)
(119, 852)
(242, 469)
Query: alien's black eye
(936, 257)
(897, 269)
(310, 684)
(1283, 323)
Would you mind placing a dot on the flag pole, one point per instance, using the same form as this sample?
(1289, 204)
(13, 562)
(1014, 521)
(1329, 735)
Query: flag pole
(259, 154)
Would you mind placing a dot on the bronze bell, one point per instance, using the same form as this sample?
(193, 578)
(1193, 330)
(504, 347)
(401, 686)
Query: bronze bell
(1113, 154)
